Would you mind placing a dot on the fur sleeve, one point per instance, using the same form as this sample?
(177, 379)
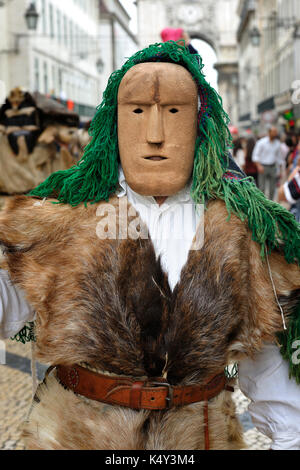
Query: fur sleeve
(26, 221)
(40, 239)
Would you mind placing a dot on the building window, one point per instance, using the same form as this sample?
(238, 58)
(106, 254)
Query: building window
(71, 33)
(45, 77)
(53, 80)
(58, 16)
(44, 17)
(51, 20)
(36, 74)
(65, 33)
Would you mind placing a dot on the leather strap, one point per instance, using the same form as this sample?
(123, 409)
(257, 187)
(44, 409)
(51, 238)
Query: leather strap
(145, 394)
(206, 426)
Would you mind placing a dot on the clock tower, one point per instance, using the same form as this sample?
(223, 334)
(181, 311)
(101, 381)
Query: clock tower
(214, 21)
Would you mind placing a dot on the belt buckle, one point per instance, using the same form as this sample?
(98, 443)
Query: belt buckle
(169, 397)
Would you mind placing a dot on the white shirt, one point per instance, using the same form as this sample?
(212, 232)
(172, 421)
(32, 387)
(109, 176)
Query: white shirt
(239, 158)
(268, 152)
(14, 310)
(275, 400)
(171, 226)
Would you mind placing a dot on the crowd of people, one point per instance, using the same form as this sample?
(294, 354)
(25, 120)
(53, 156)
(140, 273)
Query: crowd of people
(274, 163)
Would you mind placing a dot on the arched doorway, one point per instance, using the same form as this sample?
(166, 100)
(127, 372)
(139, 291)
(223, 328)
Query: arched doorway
(203, 21)
(209, 58)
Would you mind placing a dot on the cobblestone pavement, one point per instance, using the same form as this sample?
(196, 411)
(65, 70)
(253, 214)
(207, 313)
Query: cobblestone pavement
(16, 393)
(15, 397)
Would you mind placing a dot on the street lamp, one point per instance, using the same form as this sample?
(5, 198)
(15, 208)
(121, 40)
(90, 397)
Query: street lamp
(31, 17)
(255, 36)
(277, 23)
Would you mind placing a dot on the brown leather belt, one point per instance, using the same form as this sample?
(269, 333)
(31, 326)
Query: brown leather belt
(146, 394)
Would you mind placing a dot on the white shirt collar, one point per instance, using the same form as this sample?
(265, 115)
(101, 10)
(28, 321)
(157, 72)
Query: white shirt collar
(184, 195)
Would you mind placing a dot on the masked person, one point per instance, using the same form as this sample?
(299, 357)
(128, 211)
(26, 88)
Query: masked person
(136, 311)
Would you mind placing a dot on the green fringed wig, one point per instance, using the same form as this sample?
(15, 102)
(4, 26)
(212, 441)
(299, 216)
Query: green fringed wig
(95, 177)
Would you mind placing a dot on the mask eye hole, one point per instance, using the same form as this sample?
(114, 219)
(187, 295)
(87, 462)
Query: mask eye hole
(174, 110)
(138, 111)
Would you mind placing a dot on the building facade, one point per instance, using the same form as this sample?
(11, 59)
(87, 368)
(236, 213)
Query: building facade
(60, 58)
(117, 40)
(249, 90)
(214, 21)
(269, 64)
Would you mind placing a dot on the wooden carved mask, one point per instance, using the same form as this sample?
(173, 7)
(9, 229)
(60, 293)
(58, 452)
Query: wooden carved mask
(157, 127)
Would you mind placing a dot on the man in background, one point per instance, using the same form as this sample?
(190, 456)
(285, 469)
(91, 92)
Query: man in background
(268, 157)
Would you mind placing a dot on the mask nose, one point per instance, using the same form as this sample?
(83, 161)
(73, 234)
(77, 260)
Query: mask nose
(155, 127)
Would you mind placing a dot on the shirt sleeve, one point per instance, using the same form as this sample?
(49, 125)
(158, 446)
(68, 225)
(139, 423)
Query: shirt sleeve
(275, 399)
(15, 312)
(280, 156)
(256, 152)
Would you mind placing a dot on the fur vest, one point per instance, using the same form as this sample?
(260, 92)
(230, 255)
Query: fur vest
(106, 303)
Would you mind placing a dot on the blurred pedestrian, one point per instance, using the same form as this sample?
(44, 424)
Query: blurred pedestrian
(268, 158)
(285, 149)
(292, 156)
(296, 155)
(250, 167)
(291, 146)
(238, 152)
(290, 192)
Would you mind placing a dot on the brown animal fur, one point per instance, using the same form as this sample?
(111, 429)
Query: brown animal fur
(107, 303)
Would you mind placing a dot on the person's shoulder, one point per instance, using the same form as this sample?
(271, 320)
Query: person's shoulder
(50, 205)
(217, 214)
(29, 220)
(261, 141)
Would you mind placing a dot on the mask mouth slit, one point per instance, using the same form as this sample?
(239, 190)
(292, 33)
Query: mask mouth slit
(156, 158)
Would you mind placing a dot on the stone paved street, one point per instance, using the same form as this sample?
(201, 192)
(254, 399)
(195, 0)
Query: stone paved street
(16, 392)
(15, 397)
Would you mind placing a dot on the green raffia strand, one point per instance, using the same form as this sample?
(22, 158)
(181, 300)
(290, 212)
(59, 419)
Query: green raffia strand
(95, 177)
(26, 335)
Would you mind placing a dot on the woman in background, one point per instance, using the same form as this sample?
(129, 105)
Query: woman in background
(239, 152)
(250, 167)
